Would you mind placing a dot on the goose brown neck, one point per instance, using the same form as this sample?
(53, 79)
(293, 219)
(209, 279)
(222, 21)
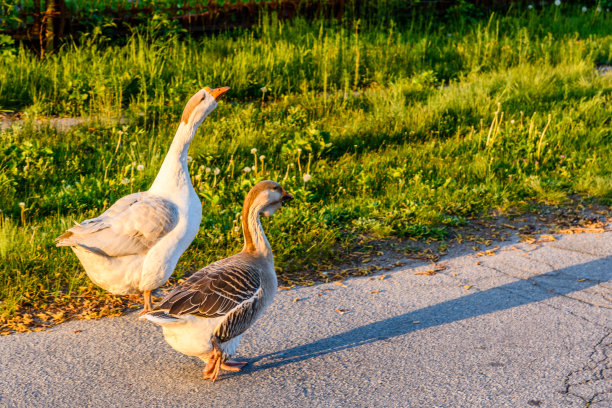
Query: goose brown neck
(255, 241)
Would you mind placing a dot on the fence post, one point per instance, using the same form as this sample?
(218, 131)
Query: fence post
(48, 23)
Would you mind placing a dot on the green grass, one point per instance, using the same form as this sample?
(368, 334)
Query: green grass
(404, 131)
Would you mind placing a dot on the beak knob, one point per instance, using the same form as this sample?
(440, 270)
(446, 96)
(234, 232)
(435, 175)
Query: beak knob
(287, 196)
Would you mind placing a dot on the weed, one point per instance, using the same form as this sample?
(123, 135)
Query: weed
(392, 132)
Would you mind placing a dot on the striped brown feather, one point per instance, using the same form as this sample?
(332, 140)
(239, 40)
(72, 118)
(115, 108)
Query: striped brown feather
(213, 291)
(240, 319)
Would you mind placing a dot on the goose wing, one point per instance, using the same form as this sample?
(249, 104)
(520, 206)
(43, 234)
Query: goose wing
(227, 288)
(130, 226)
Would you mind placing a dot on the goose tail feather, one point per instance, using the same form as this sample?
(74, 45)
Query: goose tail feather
(161, 317)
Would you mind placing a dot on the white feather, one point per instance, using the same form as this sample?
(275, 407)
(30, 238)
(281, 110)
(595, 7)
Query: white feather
(134, 245)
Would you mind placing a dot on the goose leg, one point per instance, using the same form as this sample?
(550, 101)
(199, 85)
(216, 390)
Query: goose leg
(146, 295)
(215, 362)
(211, 371)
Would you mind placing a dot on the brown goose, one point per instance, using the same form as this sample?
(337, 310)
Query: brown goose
(207, 314)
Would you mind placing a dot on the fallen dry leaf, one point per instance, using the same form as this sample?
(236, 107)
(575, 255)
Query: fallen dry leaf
(528, 238)
(296, 299)
(416, 322)
(517, 249)
(433, 271)
(57, 316)
(374, 291)
(467, 287)
(547, 238)
(580, 230)
(488, 252)
(382, 277)
(88, 305)
(342, 311)
(339, 283)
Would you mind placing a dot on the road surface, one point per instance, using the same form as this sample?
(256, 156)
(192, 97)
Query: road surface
(529, 326)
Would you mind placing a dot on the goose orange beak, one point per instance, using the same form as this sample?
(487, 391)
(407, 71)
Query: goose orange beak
(217, 93)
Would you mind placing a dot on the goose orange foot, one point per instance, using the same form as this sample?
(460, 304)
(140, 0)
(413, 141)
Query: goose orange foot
(233, 365)
(215, 364)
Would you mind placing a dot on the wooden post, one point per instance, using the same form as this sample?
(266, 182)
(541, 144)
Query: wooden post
(48, 23)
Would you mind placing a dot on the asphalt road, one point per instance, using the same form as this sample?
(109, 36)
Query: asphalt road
(534, 328)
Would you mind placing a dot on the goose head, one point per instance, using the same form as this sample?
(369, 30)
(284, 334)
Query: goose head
(201, 104)
(266, 197)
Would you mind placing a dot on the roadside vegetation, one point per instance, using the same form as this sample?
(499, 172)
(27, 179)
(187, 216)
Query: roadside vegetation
(380, 131)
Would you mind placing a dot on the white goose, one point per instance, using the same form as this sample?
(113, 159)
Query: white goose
(134, 246)
(207, 314)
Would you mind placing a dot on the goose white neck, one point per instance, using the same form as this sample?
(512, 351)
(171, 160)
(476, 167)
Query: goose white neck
(174, 171)
(255, 240)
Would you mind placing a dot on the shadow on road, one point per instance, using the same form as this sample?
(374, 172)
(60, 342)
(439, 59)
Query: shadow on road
(537, 288)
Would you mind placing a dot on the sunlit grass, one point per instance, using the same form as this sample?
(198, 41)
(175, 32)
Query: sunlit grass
(378, 132)
(153, 73)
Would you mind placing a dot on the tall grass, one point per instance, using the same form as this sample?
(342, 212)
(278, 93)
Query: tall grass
(378, 131)
(151, 73)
